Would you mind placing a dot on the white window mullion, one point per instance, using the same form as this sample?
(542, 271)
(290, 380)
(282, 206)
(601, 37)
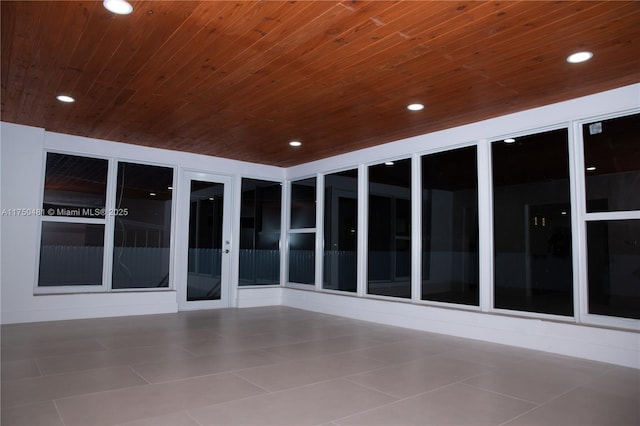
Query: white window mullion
(319, 246)
(485, 226)
(109, 228)
(416, 229)
(363, 232)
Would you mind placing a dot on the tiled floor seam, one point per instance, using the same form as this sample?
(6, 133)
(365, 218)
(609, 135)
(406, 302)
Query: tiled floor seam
(58, 411)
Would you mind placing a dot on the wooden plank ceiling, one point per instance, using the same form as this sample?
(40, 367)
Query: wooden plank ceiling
(241, 79)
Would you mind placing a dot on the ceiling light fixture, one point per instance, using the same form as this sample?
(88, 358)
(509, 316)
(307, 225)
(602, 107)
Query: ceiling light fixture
(119, 7)
(578, 57)
(295, 143)
(591, 168)
(388, 163)
(66, 99)
(415, 107)
(509, 140)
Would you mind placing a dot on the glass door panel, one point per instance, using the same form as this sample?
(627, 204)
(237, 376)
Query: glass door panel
(206, 242)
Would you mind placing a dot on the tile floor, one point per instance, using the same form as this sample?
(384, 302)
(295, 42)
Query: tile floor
(283, 366)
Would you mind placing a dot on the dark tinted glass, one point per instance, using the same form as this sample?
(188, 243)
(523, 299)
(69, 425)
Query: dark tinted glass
(204, 277)
(450, 227)
(71, 254)
(302, 258)
(303, 203)
(341, 231)
(613, 255)
(260, 232)
(389, 233)
(75, 186)
(612, 161)
(532, 224)
(143, 226)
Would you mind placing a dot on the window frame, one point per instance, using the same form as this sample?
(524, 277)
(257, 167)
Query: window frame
(109, 224)
(316, 231)
(583, 217)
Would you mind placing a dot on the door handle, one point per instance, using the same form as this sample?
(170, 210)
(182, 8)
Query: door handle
(226, 251)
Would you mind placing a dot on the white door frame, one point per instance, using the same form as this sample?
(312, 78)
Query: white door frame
(182, 239)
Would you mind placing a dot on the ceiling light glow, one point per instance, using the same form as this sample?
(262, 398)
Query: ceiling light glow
(578, 57)
(509, 140)
(65, 99)
(119, 7)
(415, 107)
(388, 163)
(591, 168)
(295, 143)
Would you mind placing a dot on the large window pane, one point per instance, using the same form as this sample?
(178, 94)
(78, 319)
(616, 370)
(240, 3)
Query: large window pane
(450, 227)
(303, 203)
(341, 230)
(613, 254)
(260, 232)
(532, 224)
(142, 231)
(71, 254)
(302, 258)
(612, 161)
(75, 186)
(389, 233)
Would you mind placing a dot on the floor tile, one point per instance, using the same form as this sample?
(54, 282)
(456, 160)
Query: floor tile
(180, 418)
(28, 391)
(308, 405)
(322, 347)
(110, 358)
(411, 378)
(39, 414)
(584, 407)
(46, 349)
(306, 371)
(406, 350)
(125, 405)
(455, 405)
(156, 372)
(20, 369)
(532, 380)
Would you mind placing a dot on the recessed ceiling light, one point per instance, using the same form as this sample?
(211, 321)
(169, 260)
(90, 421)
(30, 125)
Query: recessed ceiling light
(153, 194)
(415, 107)
(388, 163)
(591, 168)
(579, 57)
(169, 187)
(65, 99)
(509, 140)
(119, 7)
(211, 198)
(295, 143)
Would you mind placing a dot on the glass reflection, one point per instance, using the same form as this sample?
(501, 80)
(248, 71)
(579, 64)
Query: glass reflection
(532, 224)
(71, 254)
(389, 233)
(613, 255)
(302, 258)
(75, 186)
(260, 232)
(142, 231)
(205, 241)
(612, 162)
(450, 227)
(340, 231)
(303, 203)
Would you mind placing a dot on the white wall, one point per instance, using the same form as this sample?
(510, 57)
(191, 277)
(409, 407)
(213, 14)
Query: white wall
(22, 153)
